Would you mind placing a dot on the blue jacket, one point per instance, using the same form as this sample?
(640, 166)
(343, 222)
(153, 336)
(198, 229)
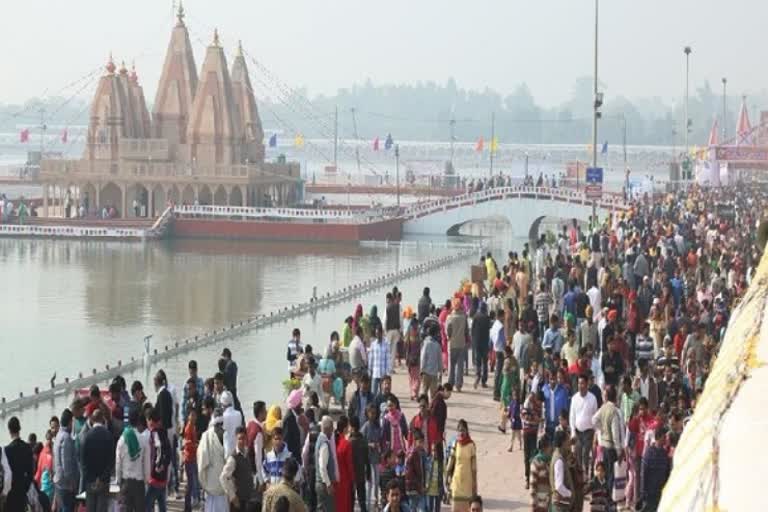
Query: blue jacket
(559, 397)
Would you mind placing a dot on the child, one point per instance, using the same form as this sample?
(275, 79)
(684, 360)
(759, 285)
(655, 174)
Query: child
(516, 420)
(372, 433)
(434, 478)
(562, 422)
(415, 475)
(388, 473)
(189, 457)
(598, 489)
(510, 380)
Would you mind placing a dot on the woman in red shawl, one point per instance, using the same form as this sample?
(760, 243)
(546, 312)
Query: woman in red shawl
(343, 490)
(357, 316)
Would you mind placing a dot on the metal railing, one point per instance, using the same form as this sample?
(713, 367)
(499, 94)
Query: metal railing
(62, 231)
(539, 193)
(259, 213)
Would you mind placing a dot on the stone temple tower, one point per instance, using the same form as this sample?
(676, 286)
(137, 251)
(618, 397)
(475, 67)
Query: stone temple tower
(247, 111)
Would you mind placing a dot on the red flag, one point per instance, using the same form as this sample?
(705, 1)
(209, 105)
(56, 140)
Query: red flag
(24, 135)
(64, 136)
(376, 144)
(480, 145)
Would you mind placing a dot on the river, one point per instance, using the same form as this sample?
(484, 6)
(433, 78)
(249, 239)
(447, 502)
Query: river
(70, 306)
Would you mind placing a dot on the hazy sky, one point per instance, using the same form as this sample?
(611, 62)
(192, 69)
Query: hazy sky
(327, 44)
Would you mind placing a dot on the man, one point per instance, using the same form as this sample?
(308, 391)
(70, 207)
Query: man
(97, 459)
(583, 408)
(326, 467)
(415, 478)
(425, 302)
(586, 333)
(66, 473)
(20, 460)
(552, 337)
(276, 457)
(431, 360)
(595, 300)
(607, 420)
(379, 358)
(639, 426)
(694, 347)
(132, 466)
(160, 454)
(531, 416)
(656, 469)
(163, 402)
(255, 438)
(644, 345)
(360, 461)
(199, 390)
(542, 303)
(361, 398)
(426, 424)
(559, 475)
(230, 377)
(612, 364)
(210, 463)
(232, 420)
(384, 397)
(481, 330)
(499, 342)
(358, 357)
(286, 488)
(476, 504)
(237, 476)
(291, 430)
(645, 384)
(392, 321)
(457, 329)
(555, 401)
(538, 468)
(294, 348)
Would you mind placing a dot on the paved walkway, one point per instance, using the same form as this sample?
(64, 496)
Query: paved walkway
(500, 473)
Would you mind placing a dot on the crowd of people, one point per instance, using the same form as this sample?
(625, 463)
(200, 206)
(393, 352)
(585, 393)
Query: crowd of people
(600, 341)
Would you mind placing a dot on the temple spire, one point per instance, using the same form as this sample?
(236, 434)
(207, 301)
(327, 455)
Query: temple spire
(110, 67)
(215, 37)
(743, 126)
(239, 49)
(713, 135)
(180, 13)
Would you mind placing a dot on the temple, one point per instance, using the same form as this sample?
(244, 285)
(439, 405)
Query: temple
(203, 142)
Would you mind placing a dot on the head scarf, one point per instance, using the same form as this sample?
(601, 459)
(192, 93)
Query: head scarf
(358, 314)
(274, 417)
(226, 399)
(407, 312)
(613, 314)
(374, 312)
(463, 438)
(294, 398)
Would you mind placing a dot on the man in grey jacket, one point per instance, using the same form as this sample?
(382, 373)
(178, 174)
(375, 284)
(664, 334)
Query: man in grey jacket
(457, 329)
(66, 473)
(431, 360)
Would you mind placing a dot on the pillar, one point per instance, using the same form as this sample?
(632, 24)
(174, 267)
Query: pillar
(97, 204)
(45, 200)
(151, 203)
(126, 208)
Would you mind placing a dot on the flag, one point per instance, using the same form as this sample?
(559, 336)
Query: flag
(480, 145)
(24, 135)
(376, 144)
(273, 141)
(388, 143)
(64, 136)
(605, 148)
(298, 141)
(494, 146)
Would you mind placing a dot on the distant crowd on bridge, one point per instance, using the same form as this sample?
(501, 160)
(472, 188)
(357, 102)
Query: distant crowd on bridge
(600, 342)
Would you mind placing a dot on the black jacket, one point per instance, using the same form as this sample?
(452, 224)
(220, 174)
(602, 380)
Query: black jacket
(355, 404)
(164, 405)
(20, 460)
(292, 434)
(97, 455)
(360, 458)
(481, 332)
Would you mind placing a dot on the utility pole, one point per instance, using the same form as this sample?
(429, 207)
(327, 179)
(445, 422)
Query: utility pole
(597, 103)
(687, 52)
(452, 123)
(493, 142)
(335, 137)
(42, 131)
(357, 138)
(725, 110)
(397, 173)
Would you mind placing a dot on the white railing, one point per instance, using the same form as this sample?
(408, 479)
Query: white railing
(539, 193)
(251, 212)
(71, 231)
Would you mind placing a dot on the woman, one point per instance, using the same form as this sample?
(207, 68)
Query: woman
(658, 329)
(357, 316)
(462, 469)
(373, 321)
(44, 473)
(274, 419)
(343, 491)
(413, 357)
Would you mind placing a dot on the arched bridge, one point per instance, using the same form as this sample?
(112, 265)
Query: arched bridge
(523, 207)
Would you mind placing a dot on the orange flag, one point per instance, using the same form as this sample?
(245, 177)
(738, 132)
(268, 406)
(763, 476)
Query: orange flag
(480, 145)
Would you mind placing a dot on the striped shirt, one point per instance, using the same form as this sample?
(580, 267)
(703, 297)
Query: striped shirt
(643, 348)
(542, 303)
(379, 359)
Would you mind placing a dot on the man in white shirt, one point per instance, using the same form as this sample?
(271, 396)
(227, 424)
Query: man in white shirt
(583, 408)
(595, 300)
(132, 464)
(326, 466)
(561, 487)
(232, 420)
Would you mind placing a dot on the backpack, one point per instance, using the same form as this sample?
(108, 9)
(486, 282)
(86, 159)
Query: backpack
(161, 461)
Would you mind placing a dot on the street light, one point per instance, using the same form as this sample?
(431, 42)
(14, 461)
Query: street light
(598, 98)
(687, 51)
(725, 109)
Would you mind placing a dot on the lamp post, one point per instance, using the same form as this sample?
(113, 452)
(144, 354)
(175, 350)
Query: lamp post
(687, 51)
(725, 108)
(397, 173)
(597, 101)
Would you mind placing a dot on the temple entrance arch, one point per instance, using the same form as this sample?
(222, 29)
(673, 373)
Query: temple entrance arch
(174, 196)
(205, 196)
(111, 196)
(188, 195)
(157, 203)
(138, 201)
(88, 198)
(236, 197)
(220, 196)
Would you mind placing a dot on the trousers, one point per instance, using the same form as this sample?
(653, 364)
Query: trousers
(456, 363)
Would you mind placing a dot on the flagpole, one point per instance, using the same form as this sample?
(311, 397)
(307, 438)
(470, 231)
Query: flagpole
(42, 131)
(397, 173)
(493, 139)
(335, 136)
